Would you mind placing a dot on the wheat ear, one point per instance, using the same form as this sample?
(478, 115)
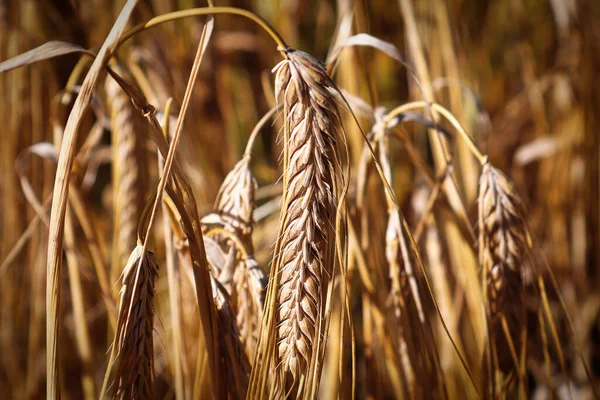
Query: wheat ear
(133, 351)
(302, 275)
(245, 282)
(235, 200)
(128, 192)
(250, 285)
(502, 252)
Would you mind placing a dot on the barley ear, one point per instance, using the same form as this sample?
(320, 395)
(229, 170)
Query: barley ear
(292, 342)
(242, 277)
(132, 357)
(502, 254)
(127, 170)
(235, 200)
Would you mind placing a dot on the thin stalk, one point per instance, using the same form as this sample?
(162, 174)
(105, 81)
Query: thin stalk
(195, 12)
(448, 115)
(174, 283)
(390, 192)
(258, 127)
(433, 196)
(25, 236)
(238, 243)
(82, 334)
(218, 391)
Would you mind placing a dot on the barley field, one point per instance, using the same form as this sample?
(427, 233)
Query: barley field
(268, 199)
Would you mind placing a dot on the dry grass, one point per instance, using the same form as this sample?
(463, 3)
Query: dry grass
(415, 218)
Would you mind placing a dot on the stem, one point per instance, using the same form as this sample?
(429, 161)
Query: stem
(258, 127)
(194, 12)
(173, 16)
(448, 115)
(173, 281)
(77, 72)
(205, 308)
(238, 244)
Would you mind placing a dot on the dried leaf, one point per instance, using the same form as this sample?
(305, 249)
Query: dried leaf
(61, 189)
(366, 40)
(46, 51)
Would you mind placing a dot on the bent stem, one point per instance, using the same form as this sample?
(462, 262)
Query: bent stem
(195, 12)
(177, 15)
(392, 196)
(448, 115)
(258, 127)
(238, 244)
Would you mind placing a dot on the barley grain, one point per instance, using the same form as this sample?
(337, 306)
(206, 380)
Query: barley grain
(306, 244)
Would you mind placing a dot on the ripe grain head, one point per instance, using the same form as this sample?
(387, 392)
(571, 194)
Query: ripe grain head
(250, 286)
(302, 275)
(128, 176)
(503, 256)
(133, 375)
(241, 276)
(235, 200)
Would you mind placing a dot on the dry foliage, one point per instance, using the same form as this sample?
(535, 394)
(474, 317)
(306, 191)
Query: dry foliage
(414, 218)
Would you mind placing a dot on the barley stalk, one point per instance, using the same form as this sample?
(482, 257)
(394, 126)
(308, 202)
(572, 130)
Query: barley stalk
(59, 202)
(303, 265)
(399, 293)
(416, 347)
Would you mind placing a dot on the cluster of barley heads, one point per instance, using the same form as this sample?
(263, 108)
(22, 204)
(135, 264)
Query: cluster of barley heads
(315, 284)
